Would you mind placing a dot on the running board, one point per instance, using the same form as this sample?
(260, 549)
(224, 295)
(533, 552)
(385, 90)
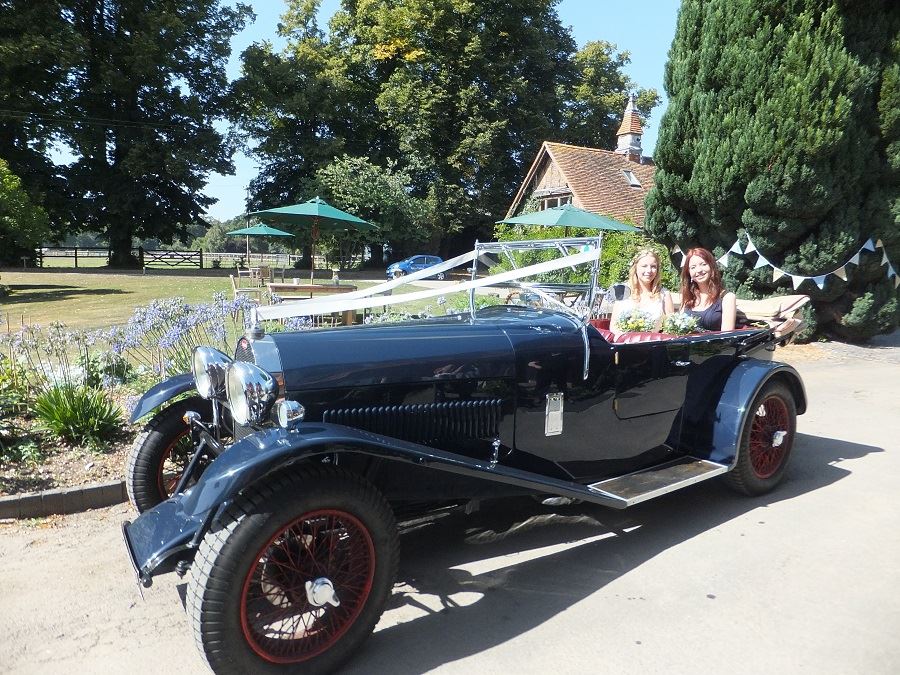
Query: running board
(640, 486)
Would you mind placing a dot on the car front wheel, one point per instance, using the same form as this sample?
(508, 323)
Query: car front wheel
(766, 442)
(161, 453)
(297, 575)
(399, 273)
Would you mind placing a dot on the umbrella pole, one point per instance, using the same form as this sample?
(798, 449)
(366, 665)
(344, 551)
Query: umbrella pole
(248, 251)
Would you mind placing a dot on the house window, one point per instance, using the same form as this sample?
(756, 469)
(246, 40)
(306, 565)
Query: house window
(632, 179)
(550, 202)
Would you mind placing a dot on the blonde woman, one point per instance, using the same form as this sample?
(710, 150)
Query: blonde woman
(647, 294)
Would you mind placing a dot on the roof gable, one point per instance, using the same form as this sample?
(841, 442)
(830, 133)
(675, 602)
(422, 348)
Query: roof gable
(596, 178)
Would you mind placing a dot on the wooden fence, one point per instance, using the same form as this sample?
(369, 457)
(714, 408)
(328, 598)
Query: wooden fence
(97, 256)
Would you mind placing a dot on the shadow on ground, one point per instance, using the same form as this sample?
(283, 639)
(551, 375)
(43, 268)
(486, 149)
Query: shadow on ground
(519, 597)
(25, 293)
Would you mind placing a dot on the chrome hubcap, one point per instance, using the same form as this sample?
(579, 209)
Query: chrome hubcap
(321, 592)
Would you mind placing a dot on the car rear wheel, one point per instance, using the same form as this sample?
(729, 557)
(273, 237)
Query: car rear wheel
(161, 453)
(297, 575)
(439, 276)
(766, 442)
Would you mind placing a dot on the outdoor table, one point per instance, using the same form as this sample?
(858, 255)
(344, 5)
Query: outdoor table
(305, 291)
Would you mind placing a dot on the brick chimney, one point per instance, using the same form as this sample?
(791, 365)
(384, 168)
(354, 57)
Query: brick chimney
(629, 134)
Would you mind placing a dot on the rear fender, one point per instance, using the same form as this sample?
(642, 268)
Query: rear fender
(733, 410)
(161, 393)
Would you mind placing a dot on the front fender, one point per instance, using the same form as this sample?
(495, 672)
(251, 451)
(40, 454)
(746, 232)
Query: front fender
(732, 412)
(164, 391)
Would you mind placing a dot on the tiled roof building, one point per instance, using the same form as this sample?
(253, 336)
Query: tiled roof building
(612, 183)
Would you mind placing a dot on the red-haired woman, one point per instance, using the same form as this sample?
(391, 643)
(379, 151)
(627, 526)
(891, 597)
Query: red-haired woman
(702, 293)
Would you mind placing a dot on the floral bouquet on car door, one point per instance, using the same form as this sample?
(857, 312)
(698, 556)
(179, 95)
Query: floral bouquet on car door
(679, 324)
(635, 321)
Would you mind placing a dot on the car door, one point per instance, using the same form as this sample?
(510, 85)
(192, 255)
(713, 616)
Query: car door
(417, 263)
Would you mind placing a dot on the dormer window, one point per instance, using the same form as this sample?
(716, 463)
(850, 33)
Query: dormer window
(632, 179)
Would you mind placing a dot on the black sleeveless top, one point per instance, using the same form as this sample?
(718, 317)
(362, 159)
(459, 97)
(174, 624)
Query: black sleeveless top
(709, 318)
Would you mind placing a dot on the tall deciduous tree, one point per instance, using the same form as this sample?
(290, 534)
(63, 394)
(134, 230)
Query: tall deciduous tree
(36, 48)
(782, 123)
(22, 224)
(599, 94)
(147, 84)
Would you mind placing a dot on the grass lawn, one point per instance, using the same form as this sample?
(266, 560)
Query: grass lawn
(98, 300)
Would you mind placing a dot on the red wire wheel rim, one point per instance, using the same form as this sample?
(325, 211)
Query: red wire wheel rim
(167, 480)
(278, 621)
(766, 457)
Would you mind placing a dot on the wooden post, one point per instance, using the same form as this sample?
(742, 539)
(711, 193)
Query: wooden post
(141, 256)
(201, 258)
(76, 257)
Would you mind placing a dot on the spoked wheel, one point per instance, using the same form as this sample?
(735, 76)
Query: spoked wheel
(161, 453)
(439, 276)
(297, 577)
(399, 273)
(766, 442)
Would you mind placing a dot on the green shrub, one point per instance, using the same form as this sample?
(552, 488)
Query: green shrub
(78, 414)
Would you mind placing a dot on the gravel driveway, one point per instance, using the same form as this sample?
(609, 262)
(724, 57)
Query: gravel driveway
(802, 580)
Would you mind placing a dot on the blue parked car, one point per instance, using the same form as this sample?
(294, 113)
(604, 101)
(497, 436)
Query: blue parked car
(414, 264)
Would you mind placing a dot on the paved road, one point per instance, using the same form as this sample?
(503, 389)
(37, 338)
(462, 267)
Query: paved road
(802, 581)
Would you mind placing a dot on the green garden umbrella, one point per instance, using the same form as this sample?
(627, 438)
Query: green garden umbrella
(319, 216)
(257, 231)
(570, 216)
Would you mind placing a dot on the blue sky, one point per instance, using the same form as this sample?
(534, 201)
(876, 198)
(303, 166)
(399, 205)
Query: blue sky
(645, 30)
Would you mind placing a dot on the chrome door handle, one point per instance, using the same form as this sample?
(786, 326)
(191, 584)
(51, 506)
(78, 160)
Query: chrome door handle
(681, 364)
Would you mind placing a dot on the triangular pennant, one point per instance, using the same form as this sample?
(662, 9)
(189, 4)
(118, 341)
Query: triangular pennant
(761, 262)
(777, 274)
(891, 271)
(896, 281)
(676, 249)
(723, 261)
(736, 248)
(683, 256)
(879, 244)
(884, 259)
(797, 280)
(870, 245)
(750, 247)
(854, 260)
(820, 281)
(842, 272)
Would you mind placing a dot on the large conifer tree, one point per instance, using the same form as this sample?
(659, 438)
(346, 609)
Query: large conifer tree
(783, 124)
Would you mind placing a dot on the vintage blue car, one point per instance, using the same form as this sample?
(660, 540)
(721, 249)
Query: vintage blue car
(300, 453)
(414, 263)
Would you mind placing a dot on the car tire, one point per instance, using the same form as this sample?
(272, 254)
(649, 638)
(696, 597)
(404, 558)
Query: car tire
(161, 452)
(399, 273)
(269, 549)
(439, 276)
(766, 441)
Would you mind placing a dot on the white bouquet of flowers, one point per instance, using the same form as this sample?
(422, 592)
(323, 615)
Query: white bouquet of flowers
(680, 324)
(635, 321)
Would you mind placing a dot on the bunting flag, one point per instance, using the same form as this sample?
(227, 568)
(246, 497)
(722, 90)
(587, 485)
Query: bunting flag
(797, 279)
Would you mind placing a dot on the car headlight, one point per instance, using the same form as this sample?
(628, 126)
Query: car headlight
(251, 392)
(209, 367)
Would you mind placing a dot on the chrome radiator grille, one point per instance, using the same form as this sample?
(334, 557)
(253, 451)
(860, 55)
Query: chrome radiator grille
(424, 422)
(244, 351)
